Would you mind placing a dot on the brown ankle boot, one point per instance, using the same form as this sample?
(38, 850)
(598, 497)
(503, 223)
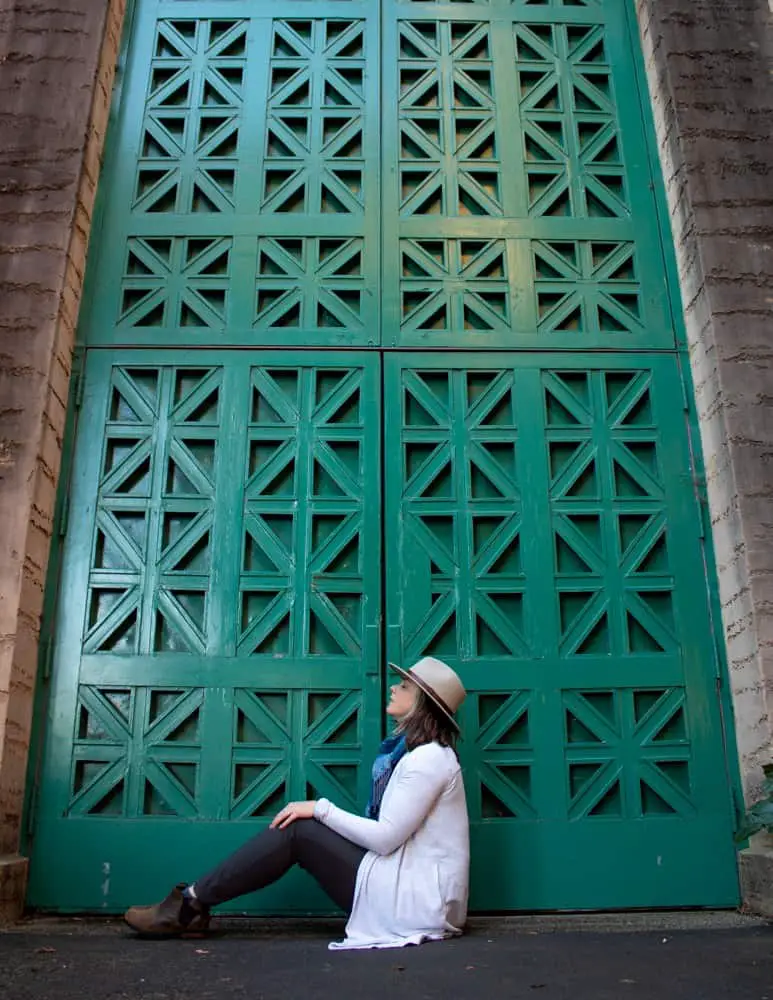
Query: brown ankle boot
(175, 916)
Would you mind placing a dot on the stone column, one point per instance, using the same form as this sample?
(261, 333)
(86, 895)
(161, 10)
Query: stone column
(710, 74)
(57, 64)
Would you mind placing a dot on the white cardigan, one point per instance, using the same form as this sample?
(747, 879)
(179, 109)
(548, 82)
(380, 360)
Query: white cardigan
(413, 883)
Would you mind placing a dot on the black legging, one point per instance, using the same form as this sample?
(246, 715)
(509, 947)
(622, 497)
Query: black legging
(330, 858)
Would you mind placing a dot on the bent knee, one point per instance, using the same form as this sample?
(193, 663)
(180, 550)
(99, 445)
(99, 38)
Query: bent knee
(305, 830)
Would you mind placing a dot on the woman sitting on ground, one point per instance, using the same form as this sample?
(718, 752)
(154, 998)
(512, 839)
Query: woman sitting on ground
(400, 872)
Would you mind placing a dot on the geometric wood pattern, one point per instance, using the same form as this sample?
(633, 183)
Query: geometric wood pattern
(229, 595)
(315, 129)
(218, 641)
(535, 542)
(268, 724)
(516, 134)
(396, 173)
(460, 506)
(310, 284)
(614, 578)
(454, 284)
(536, 536)
(585, 287)
(190, 137)
(164, 497)
(502, 758)
(302, 583)
(431, 176)
(628, 754)
(137, 752)
(152, 551)
(448, 148)
(176, 283)
(572, 154)
(603, 514)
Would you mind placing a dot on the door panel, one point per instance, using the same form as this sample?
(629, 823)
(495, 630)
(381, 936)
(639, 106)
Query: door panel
(261, 188)
(232, 113)
(542, 538)
(518, 208)
(217, 651)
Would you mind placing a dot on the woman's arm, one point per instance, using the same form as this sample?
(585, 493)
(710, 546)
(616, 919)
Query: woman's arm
(418, 784)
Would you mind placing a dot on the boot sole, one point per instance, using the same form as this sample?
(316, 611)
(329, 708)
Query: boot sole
(185, 935)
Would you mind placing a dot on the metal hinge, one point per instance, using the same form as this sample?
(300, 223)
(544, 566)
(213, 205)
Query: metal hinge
(64, 514)
(685, 397)
(719, 673)
(77, 381)
(699, 486)
(46, 659)
(32, 809)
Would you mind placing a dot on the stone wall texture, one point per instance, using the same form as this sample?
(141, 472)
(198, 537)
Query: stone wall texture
(57, 64)
(710, 74)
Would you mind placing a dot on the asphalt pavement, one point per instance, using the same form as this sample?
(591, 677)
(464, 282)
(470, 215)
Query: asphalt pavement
(677, 956)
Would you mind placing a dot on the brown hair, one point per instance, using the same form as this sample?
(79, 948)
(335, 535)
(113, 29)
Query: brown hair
(427, 724)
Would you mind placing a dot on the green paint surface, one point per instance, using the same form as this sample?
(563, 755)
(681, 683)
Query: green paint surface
(380, 363)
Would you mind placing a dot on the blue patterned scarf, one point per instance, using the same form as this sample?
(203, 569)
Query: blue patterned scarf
(390, 752)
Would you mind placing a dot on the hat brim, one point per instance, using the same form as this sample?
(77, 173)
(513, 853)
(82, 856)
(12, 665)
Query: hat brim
(428, 691)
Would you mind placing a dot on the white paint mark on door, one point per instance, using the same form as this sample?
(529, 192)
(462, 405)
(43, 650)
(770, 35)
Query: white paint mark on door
(105, 881)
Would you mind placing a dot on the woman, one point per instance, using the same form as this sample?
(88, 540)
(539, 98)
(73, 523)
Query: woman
(401, 872)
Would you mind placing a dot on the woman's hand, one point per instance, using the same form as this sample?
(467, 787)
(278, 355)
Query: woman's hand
(291, 812)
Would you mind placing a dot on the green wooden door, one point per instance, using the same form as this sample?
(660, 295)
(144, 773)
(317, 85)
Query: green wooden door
(381, 360)
(542, 541)
(217, 644)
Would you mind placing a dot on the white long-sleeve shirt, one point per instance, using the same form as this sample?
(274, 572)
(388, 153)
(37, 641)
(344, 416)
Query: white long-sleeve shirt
(413, 883)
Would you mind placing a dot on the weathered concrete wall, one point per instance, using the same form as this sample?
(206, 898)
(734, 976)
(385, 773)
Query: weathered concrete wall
(710, 73)
(57, 64)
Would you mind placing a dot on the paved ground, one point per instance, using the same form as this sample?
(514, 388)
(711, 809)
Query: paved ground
(622, 957)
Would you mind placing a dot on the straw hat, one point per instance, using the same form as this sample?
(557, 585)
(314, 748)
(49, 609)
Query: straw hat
(439, 682)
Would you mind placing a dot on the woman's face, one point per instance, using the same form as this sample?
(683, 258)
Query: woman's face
(402, 700)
